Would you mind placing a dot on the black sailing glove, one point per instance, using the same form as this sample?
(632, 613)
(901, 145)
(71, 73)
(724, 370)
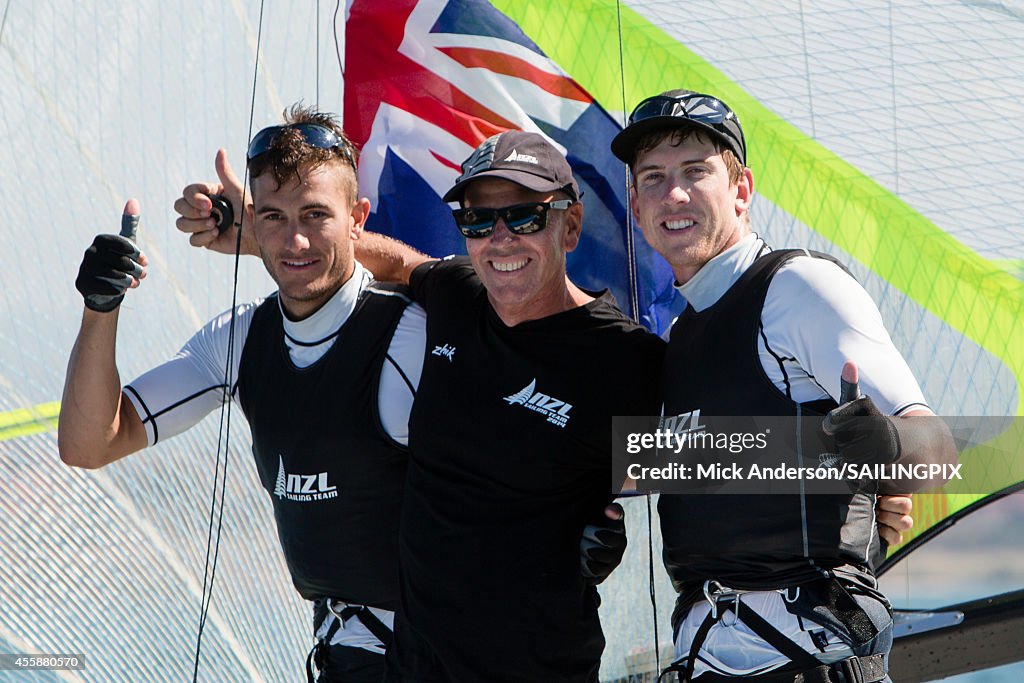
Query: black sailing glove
(602, 547)
(107, 270)
(863, 435)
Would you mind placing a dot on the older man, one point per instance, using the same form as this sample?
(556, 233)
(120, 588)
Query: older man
(511, 431)
(767, 333)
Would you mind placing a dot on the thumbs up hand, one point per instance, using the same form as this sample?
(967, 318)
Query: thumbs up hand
(211, 213)
(112, 265)
(862, 433)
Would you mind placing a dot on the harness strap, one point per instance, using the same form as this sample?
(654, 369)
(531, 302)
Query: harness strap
(373, 624)
(867, 669)
(322, 609)
(317, 655)
(698, 640)
(843, 606)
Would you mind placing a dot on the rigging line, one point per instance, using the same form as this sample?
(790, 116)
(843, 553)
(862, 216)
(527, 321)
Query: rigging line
(807, 68)
(224, 429)
(650, 579)
(892, 88)
(896, 188)
(635, 306)
(634, 289)
(316, 4)
(337, 48)
(3, 22)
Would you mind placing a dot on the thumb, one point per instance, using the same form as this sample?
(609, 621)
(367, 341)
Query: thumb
(232, 185)
(130, 220)
(614, 512)
(849, 389)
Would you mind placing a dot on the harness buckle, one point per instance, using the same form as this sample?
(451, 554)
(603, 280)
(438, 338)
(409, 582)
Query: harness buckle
(714, 592)
(343, 610)
(849, 671)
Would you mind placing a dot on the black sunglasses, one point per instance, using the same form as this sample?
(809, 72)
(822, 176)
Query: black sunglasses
(313, 134)
(521, 219)
(703, 110)
(695, 107)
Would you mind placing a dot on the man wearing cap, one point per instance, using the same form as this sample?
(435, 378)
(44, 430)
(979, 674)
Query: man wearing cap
(324, 370)
(789, 590)
(511, 427)
(511, 430)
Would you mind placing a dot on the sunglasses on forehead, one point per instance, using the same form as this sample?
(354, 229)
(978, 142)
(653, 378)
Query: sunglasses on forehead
(313, 134)
(520, 219)
(695, 107)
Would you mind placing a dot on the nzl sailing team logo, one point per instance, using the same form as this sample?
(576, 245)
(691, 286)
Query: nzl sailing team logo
(556, 411)
(302, 488)
(683, 422)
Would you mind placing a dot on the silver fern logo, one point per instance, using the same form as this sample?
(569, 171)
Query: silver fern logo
(555, 410)
(302, 488)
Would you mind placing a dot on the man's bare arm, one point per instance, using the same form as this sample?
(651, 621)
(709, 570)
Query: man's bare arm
(389, 260)
(97, 424)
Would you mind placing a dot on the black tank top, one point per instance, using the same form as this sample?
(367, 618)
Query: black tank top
(750, 542)
(333, 474)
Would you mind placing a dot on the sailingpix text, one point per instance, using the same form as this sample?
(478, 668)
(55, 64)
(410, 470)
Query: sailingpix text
(838, 472)
(694, 452)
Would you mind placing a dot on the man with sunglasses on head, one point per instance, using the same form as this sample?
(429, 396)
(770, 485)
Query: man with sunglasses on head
(511, 429)
(324, 369)
(786, 593)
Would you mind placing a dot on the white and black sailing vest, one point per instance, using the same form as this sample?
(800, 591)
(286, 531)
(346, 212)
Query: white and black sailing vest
(758, 542)
(334, 476)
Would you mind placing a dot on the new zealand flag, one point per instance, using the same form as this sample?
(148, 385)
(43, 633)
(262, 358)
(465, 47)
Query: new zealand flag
(427, 80)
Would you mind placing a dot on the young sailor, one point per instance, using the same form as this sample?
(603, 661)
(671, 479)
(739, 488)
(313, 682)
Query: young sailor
(324, 369)
(776, 586)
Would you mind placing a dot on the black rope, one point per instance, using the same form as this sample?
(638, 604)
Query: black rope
(224, 428)
(634, 287)
(650, 579)
(316, 58)
(337, 48)
(635, 312)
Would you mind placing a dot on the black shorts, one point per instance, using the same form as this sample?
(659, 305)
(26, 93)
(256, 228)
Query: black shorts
(343, 664)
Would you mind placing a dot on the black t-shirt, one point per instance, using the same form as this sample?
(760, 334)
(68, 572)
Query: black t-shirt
(510, 443)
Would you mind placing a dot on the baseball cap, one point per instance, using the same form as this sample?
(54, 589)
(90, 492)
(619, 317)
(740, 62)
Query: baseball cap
(681, 108)
(527, 159)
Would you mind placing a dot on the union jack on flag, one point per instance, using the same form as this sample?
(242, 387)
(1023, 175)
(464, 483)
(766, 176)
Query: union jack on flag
(427, 80)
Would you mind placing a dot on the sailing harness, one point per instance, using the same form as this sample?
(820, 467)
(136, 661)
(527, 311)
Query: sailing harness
(342, 611)
(725, 603)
